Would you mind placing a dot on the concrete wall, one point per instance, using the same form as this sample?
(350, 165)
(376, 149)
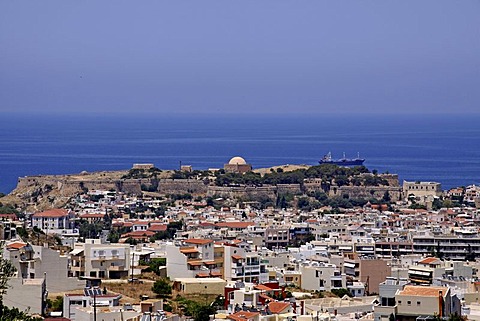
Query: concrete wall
(55, 266)
(176, 263)
(375, 272)
(312, 275)
(199, 287)
(26, 295)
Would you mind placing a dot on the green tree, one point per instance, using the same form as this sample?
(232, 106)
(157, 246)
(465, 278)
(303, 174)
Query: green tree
(386, 197)
(7, 209)
(162, 287)
(199, 311)
(154, 265)
(55, 305)
(341, 292)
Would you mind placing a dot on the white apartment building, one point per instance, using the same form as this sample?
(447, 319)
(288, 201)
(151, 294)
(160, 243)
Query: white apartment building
(242, 266)
(53, 220)
(94, 259)
(191, 258)
(322, 277)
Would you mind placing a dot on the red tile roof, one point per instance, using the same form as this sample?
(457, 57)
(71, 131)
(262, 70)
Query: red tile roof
(262, 287)
(423, 290)
(11, 216)
(242, 315)
(16, 245)
(278, 307)
(57, 212)
(157, 227)
(206, 224)
(92, 215)
(198, 241)
(235, 224)
(429, 260)
(139, 234)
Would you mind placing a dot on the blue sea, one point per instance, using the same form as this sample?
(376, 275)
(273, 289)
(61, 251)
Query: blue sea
(442, 148)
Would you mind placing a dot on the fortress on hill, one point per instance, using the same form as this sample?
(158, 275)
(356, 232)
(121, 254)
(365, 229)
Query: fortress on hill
(55, 187)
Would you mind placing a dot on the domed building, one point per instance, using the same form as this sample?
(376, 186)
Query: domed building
(237, 165)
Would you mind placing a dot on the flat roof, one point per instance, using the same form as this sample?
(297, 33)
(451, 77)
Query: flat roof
(197, 280)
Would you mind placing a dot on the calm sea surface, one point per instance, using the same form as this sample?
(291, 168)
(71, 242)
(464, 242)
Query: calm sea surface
(434, 148)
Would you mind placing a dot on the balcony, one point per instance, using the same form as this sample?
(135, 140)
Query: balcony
(98, 258)
(117, 268)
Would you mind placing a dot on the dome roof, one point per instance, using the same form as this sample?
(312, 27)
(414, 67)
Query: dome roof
(237, 160)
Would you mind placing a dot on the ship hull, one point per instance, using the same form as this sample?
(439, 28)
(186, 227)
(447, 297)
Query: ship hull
(344, 162)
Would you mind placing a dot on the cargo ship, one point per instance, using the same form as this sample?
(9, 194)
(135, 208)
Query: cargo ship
(327, 159)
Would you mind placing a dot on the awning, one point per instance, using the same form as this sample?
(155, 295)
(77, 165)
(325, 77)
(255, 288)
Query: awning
(419, 272)
(349, 265)
(76, 252)
(419, 281)
(364, 248)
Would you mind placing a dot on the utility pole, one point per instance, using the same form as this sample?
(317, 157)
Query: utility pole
(131, 277)
(94, 305)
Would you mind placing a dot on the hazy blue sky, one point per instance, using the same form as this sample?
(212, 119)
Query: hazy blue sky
(254, 56)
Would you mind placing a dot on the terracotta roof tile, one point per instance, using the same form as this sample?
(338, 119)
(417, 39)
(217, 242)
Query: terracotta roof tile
(429, 260)
(56, 212)
(235, 224)
(423, 290)
(262, 287)
(278, 307)
(198, 241)
(16, 245)
(242, 315)
(157, 227)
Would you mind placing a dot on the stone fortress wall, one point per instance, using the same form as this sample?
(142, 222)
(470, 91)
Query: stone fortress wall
(69, 185)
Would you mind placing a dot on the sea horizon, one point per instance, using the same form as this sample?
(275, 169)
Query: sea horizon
(429, 147)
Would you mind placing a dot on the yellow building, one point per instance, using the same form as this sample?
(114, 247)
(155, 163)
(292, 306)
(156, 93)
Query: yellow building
(199, 286)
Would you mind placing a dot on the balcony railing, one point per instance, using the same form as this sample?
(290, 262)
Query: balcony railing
(117, 268)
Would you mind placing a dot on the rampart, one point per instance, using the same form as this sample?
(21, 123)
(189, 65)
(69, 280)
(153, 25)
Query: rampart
(367, 192)
(180, 186)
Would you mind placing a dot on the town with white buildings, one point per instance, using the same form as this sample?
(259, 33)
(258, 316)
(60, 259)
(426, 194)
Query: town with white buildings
(415, 257)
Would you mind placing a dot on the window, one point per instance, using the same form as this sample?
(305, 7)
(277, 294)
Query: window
(409, 302)
(418, 302)
(399, 302)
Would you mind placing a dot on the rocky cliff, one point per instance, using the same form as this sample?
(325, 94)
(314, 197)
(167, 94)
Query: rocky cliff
(34, 193)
